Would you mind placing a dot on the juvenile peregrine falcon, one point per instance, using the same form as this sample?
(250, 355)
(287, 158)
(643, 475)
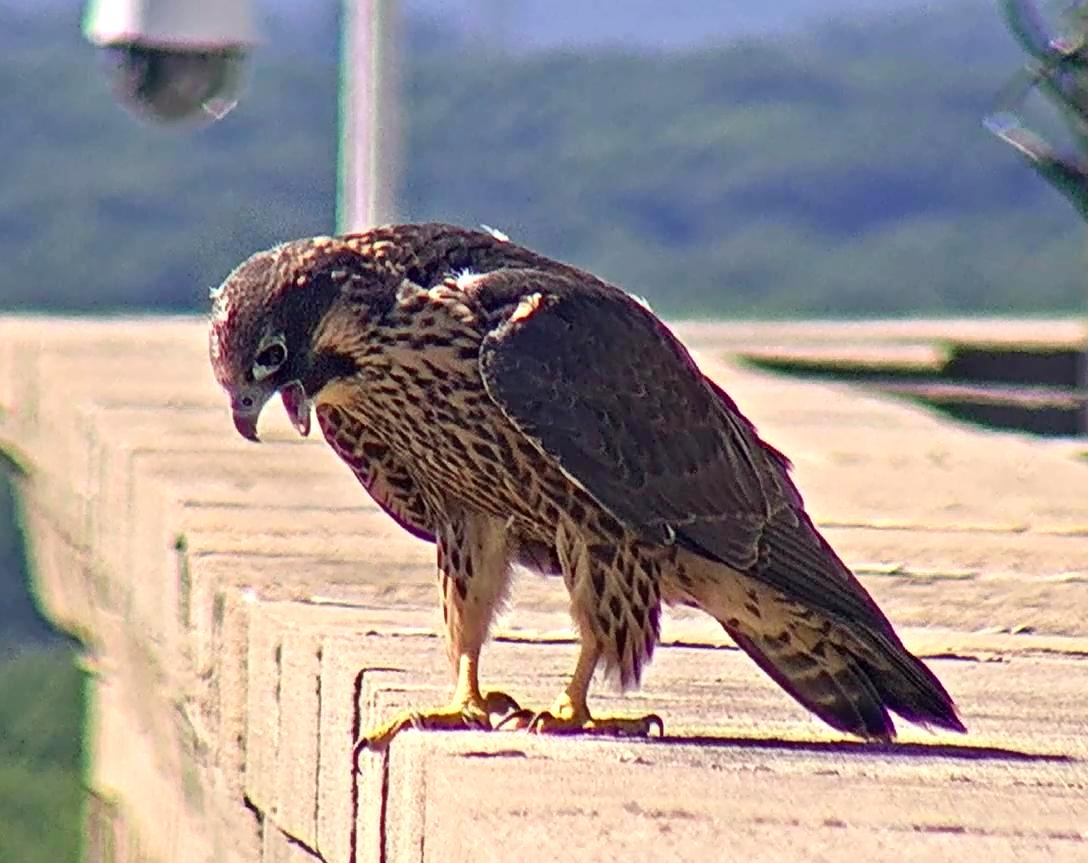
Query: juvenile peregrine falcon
(512, 409)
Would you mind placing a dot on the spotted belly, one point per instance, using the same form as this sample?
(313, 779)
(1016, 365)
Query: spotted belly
(424, 463)
(456, 454)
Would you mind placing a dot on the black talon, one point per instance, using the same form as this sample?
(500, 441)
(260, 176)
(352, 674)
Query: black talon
(521, 713)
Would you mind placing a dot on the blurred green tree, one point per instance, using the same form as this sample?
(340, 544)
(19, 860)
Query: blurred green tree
(840, 172)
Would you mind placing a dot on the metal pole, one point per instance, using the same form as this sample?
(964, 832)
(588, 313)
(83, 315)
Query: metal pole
(370, 133)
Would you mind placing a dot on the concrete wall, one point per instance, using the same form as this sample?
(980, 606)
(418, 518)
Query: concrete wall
(247, 610)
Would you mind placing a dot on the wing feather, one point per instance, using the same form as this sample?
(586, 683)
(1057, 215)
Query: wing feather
(602, 386)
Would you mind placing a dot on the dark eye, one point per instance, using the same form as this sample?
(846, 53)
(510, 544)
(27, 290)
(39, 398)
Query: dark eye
(272, 357)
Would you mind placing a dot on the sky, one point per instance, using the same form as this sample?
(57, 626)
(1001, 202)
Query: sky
(527, 25)
(643, 23)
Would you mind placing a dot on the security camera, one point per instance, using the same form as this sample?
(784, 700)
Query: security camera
(173, 60)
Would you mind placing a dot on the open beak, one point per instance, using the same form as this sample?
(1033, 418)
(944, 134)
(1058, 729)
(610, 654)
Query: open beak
(295, 403)
(297, 406)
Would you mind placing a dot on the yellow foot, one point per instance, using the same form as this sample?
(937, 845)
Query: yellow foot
(483, 713)
(564, 718)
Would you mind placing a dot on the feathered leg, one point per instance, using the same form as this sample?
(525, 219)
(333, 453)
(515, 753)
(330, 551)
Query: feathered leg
(569, 714)
(473, 574)
(616, 606)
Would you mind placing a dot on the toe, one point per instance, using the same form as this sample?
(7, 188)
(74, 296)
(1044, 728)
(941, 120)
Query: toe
(379, 738)
(651, 722)
(517, 720)
(499, 707)
(547, 722)
(472, 717)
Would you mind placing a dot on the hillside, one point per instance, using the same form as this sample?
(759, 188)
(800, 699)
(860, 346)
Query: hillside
(842, 172)
(41, 756)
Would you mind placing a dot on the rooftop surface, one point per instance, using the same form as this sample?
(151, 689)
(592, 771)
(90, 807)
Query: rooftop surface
(249, 610)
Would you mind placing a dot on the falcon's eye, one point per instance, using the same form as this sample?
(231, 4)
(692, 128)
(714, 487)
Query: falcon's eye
(269, 360)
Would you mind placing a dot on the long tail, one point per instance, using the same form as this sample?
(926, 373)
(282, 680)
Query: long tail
(848, 674)
(852, 686)
(808, 623)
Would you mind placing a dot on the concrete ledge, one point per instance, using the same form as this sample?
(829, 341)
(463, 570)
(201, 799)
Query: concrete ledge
(250, 610)
(689, 800)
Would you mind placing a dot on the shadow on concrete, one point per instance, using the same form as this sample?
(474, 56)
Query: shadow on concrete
(857, 747)
(1041, 391)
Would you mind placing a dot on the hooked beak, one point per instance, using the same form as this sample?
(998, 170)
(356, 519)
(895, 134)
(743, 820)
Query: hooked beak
(246, 410)
(245, 420)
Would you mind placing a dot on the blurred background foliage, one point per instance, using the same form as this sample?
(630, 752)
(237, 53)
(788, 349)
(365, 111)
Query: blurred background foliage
(41, 757)
(41, 715)
(841, 169)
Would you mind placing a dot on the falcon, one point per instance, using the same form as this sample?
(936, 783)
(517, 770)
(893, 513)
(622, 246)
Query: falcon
(511, 409)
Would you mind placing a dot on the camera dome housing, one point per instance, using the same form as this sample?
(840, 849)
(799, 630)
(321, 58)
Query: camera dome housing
(170, 85)
(173, 60)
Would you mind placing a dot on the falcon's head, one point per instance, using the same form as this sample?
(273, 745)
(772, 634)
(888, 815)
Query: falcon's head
(264, 318)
